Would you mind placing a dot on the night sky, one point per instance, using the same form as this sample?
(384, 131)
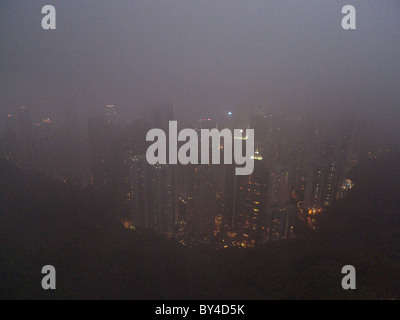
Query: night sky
(205, 56)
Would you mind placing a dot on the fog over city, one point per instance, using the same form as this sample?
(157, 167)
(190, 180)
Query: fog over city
(204, 56)
(199, 149)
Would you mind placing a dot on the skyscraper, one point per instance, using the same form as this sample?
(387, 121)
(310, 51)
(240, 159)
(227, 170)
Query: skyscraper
(43, 133)
(26, 139)
(322, 178)
(139, 193)
(110, 114)
(205, 202)
(9, 142)
(251, 205)
(163, 206)
(108, 161)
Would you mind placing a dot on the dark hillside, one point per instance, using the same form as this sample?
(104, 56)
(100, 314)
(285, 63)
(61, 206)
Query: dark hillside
(44, 222)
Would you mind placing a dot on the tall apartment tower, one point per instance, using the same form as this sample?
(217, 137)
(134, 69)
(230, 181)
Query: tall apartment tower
(251, 205)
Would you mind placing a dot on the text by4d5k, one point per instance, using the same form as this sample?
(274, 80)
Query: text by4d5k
(219, 309)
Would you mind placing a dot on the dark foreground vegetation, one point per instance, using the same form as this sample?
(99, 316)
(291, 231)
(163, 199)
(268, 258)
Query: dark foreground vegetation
(49, 223)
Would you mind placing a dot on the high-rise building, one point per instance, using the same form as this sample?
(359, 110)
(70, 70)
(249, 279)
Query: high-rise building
(71, 119)
(322, 178)
(110, 114)
(152, 198)
(250, 207)
(97, 145)
(108, 161)
(281, 224)
(205, 200)
(140, 194)
(161, 115)
(26, 138)
(344, 151)
(279, 187)
(163, 206)
(9, 142)
(162, 178)
(43, 133)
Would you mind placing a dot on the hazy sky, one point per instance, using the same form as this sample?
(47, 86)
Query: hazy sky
(204, 55)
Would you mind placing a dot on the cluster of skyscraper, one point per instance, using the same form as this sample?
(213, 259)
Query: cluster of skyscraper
(300, 167)
(37, 143)
(298, 170)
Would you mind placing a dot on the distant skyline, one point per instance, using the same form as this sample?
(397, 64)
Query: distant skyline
(204, 56)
